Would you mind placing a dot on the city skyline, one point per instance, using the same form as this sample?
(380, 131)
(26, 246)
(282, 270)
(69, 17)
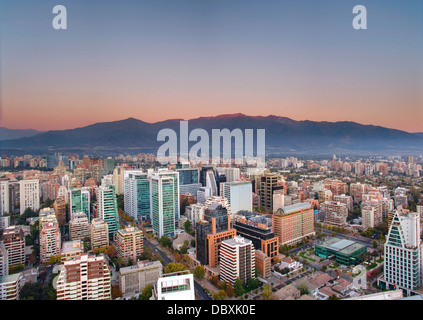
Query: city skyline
(162, 60)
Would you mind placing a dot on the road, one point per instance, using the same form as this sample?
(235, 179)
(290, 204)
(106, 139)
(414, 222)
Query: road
(201, 293)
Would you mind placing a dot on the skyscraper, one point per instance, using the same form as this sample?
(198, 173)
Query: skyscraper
(189, 180)
(239, 194)
(79, 200)
(210, 233)
(403, 253)
(107, 208)
(137, 195)
(163, 201)
(208, 179)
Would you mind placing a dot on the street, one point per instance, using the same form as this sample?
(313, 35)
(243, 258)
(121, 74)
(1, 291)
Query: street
(200, 292)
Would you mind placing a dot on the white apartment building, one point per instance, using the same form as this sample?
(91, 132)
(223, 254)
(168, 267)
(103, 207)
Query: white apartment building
(29, 194)
(4, 197)
(175, 286)
(403, 253)
(239, 195)
(99, 234)
(237, 259)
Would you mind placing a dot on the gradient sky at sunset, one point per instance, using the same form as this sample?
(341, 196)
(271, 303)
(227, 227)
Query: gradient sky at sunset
(160, 59)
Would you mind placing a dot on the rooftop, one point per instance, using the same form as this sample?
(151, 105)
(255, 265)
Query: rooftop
(295, 208)
(342, 245)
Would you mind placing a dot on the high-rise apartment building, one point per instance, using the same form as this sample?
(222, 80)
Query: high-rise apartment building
(237, 260)
(50, 239)
(4, 260)
(4, 197)
(129, 244)
(99, 234)
(293, 223)
(59, 206)
(29, 191)
(269, 184)
(84, 278)
(14, 242)
(336, 186)
(335, 212)
(239, 195)
(347, 200)
(118, 179)
(371, 213)
(79, 226)
(107, 208)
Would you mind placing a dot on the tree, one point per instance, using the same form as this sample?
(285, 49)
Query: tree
(238, 288)
(175, 267)
(111, 251)
(230, 290)
(303, 287)
(199, 272)
(267, 292)
(165, 241)
(187, 226)
(374, 244)
(214, 280)
(252, 283)
(33, 291)
(54, 259)
(116, 293)
(146, 293)
(222, 294)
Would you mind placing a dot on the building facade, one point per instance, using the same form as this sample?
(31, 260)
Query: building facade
(84, 278)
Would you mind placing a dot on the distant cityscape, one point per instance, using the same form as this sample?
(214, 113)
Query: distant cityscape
(79, 227)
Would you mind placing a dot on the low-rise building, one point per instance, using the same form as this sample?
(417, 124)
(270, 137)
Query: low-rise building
(133, 279)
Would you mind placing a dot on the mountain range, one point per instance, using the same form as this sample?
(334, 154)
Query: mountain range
(7, 134)
(283, 136)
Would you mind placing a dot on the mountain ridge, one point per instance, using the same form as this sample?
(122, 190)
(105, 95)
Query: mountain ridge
(282, 134)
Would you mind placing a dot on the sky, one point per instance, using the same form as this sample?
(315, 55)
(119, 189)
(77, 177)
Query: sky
(163, 59)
